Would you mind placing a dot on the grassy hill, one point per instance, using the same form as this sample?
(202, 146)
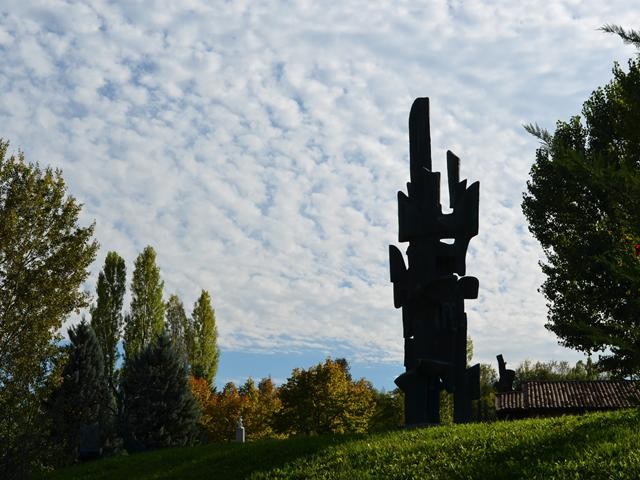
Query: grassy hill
(600, 445)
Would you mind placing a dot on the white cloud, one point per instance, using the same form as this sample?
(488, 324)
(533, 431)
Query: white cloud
(259, 146)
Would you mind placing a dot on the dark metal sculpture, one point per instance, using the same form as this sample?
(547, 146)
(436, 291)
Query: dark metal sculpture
(432, 290)
(505, 383)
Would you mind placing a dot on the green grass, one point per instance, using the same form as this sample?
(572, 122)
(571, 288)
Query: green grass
(600, 446)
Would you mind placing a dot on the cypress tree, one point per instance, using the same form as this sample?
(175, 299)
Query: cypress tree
(204, 361)
(146, 318)
(159, 408)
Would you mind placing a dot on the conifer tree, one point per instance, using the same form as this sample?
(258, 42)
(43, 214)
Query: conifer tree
(204, 361)
(106, 316)
(83, 398)
(179, 327)
(146, 318)
(159, 408)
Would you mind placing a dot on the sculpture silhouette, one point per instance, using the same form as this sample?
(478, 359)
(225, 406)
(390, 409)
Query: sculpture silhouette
(505, 382)
(432, 290)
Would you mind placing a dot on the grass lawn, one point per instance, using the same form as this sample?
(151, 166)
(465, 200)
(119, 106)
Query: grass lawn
(599, 446)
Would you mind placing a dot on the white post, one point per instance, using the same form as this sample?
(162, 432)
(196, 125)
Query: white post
(240, 432)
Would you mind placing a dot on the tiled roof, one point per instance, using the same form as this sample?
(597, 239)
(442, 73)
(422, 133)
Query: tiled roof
(599, 394)
(509, 401)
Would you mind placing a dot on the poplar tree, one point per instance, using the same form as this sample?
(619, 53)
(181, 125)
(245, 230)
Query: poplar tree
(204, 360)
(146, 318)
(179, 327)
(106, 316)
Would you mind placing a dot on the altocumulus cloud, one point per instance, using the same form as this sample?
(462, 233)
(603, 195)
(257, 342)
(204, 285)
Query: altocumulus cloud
(258, 146)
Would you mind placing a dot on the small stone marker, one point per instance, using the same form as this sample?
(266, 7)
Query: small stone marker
(240, 432)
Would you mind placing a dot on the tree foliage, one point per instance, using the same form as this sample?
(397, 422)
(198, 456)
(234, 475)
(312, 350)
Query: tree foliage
(106, 316)
(628, 36)
(258, 406)
(180, 327)
(323, 399)
(583, 205)
(389, 410)
(44, 259)
(205, 354)
(83, 397)
(220, 410)
(159, 409)
(557, 371)
(485, 408)
(261, 405)
(146, 318)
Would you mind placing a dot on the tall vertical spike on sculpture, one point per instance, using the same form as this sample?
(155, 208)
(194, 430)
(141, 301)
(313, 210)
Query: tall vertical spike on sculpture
(432, 289)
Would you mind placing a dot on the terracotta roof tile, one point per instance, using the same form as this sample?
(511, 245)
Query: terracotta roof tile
(509, 401)
(599, 394)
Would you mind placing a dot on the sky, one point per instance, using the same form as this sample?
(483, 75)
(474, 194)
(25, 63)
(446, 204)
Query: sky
(259, 146)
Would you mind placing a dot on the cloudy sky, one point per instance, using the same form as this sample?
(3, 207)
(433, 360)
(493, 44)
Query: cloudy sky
(259, 146)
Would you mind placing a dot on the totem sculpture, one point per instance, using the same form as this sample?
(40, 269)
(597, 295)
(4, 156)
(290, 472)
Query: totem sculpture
(432, 290)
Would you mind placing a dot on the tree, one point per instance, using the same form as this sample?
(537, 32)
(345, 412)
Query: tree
(44, 259)
(204, 361)
(258, 406)
(221, 410)
(556, 371)
(583, 205)
(84, 397)
(485, 407)
(261, 404)
(106, 316)
(159, 409)
(179, 327)
(324, 400)
(389, 410)
(146, 318)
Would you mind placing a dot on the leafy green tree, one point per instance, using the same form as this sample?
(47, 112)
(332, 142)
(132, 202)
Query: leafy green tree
(557, 371)
(159, 409)
(146, 318)
(485, 407)
(389, 410)
(180, 327)
(44, 259)
(583, 205)
(265, 412)
(106, 316)
(324, 400)
(260, 406)
(205, 356)
(84, 397)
